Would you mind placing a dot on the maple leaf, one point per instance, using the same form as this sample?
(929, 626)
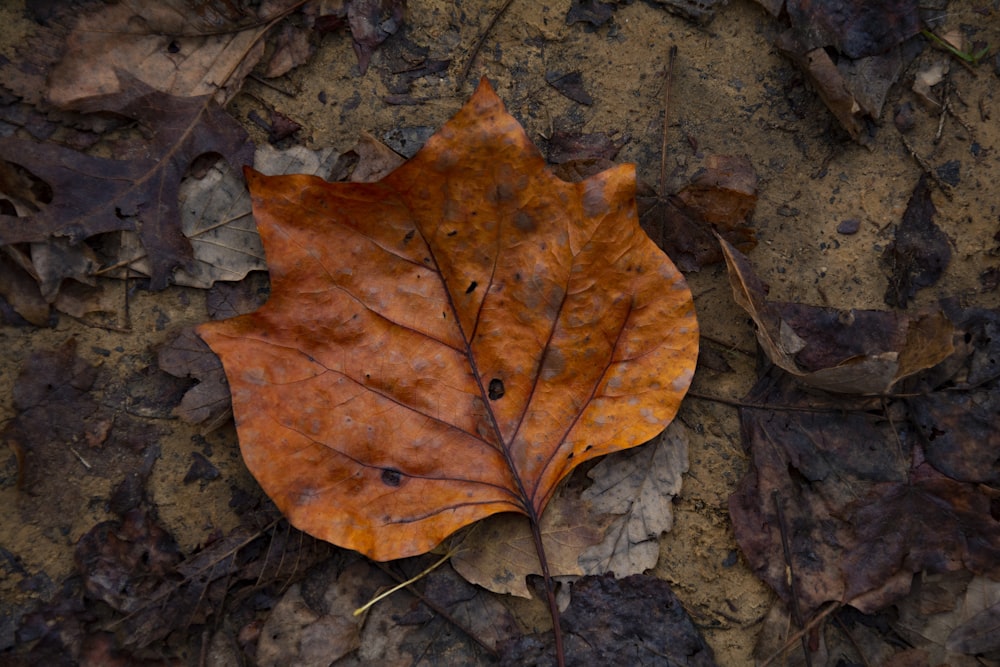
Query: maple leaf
(451, 341)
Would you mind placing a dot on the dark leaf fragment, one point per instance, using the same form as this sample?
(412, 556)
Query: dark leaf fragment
(589, 11)
(920, 252)
(372, 22)
(632, 621)
(852, 51)
(567, 146)
(124, 562)
(570, 85)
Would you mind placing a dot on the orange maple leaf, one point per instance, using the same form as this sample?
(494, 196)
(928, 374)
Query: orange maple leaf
(451, 341)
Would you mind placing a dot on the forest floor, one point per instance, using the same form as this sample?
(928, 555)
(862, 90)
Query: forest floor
(732, 93)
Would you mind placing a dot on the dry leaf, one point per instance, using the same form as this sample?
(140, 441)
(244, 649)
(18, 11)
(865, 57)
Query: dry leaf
(637, 488)
(450, 342)
(215, 215)
(499, 553)
(855, 352)
(180, 47)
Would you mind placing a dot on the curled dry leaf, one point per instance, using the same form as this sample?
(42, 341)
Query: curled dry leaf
(854, 352)
(451, 341)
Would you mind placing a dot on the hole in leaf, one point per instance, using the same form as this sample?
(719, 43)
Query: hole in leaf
(391, 477)
(496, 390)
(472, 286)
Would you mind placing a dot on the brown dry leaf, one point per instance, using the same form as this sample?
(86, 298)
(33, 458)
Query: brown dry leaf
(184, 48)
(450, 342)
(854, 352)
(637, 489)
(719, 198)
(499, 553)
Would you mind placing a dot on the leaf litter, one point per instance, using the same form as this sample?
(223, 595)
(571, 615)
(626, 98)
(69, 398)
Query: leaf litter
(878, 470)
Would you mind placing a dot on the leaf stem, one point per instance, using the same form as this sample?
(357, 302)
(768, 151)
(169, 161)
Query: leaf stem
(536, 533)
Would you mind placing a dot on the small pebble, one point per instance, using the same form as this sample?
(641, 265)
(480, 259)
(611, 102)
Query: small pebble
(903, 118)
(849, 226)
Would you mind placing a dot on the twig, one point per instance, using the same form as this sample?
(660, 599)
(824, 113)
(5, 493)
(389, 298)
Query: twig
(480, 41)
(368, 605)
(439, 610)
(661, 195)
(786, 550)
(944, 187)
(668, 84)
(832, 607)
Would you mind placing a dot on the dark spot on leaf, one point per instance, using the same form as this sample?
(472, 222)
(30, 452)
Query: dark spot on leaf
(524, 222)
(173, 47)
(496, 389)
(452, 232)
(409, 236)
(473, 285)
(391, 477)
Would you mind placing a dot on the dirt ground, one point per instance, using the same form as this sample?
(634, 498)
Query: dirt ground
(733, 94)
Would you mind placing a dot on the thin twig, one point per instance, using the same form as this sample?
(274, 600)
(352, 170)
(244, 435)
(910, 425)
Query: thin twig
(668, 84)
(480, 41)
(368, 605)
(944, 187)
(439, 610)
(831, 607)
(786, 550)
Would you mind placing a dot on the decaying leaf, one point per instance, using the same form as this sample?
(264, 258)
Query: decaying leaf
(855, 352)
(451, 341)
(180, 47)
(851, 50)
(499, 553)
(949, 615)
(93, 195)
(620, 623)
(920, 252)
(718, 199)
(637, 489)
(296, 631)
(861, 510)
(215, 216)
